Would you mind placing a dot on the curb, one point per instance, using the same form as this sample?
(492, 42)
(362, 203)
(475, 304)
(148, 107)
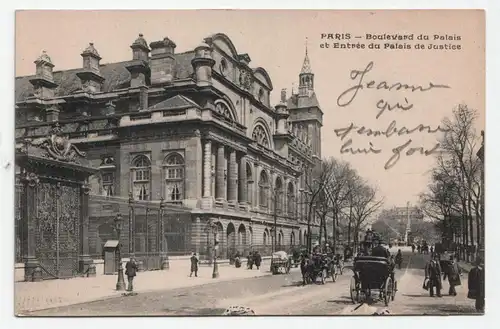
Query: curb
(103, 298)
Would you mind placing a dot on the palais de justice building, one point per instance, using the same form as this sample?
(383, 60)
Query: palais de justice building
(195, 129)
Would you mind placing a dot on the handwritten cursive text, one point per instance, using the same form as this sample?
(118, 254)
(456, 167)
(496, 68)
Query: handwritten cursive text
(347, 149)
(397, 151)
(348, 96)
(391, 130)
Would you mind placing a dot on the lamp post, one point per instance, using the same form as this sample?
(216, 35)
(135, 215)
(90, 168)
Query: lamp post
(120, 284)
(165, 264)
(213, 230)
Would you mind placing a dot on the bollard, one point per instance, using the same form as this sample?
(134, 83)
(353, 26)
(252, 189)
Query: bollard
(37, 274)
(91, 271)
(165, 264)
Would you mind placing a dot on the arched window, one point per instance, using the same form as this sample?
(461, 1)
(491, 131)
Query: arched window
(265, 237)
(291, 200)
(280, 238)
(278, 194)
(224, 110)
(261, 95)
(263, 189)
(174, 177)
(260, 136)
(141, 175)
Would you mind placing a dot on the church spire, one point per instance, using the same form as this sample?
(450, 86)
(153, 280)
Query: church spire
(306, 77)
(306, 66)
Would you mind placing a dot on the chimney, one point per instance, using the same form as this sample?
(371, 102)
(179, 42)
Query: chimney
(43, 83)
(139, 68)
(140, 49)
(162, 61)
(90, 76)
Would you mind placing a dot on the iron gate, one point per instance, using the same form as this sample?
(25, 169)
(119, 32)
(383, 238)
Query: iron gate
(58, 231)
(147, 236)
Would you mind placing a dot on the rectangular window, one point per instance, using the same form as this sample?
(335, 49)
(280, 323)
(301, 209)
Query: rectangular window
(107, 184)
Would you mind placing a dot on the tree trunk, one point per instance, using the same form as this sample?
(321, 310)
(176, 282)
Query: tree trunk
(325, 232)
(349, 232)
(334, 235)
(321, 229)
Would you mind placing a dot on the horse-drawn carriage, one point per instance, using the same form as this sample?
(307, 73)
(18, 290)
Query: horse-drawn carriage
(322, 267)
(373, 273)
(280, 263)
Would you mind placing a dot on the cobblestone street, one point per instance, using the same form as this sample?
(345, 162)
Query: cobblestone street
(277, 295)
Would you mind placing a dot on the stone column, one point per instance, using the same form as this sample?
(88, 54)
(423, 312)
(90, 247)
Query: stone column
(220, 185)
(207, 168)
(242, 182)
(85, 262)
(232, 177)
(32, 271)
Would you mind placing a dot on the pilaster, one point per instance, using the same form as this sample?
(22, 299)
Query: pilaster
(232, 177)
(220, 187)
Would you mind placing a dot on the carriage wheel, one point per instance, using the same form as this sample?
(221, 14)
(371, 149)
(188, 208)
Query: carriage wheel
(388, 291)
(354, 291)
(394, 289)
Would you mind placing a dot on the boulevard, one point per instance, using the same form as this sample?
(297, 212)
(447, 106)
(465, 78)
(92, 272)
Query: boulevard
(279, 295)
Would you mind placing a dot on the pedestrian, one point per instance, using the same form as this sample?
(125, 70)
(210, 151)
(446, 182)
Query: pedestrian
(131, 272)
(194, 265)
(453, 273)
(399, 259)
(250, 261)
(433, 274)
(413, 248)
(257, 259)
(476, 284)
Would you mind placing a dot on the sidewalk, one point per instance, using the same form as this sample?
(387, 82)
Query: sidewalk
(32, 296)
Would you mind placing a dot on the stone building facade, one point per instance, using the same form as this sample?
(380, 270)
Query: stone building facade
(195, 129)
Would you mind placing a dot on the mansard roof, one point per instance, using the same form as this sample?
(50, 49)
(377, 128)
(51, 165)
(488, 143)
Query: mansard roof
(116, 77)
(296, 102)
(176, 102)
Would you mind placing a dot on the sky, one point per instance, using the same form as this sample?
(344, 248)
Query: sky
(276, 41)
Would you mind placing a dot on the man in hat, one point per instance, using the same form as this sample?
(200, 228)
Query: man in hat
(379, 250)
(476, 284)
(194, 265)
(453, 273)
(433, 274)
(131, 271)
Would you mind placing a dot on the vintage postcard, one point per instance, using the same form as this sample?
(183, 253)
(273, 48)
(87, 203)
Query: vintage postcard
(249, 162)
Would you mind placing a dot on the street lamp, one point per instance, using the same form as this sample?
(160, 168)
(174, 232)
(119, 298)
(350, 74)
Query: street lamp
(213, 229)
(120, 284)
(165, 264)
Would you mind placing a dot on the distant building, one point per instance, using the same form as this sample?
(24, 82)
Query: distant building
(401, 214)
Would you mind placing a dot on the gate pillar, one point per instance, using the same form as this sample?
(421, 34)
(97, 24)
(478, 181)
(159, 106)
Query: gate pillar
(85, 263)
(28, 214)
(54, 207)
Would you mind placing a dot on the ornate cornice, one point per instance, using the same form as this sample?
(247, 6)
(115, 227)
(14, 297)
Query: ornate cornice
(55, 146)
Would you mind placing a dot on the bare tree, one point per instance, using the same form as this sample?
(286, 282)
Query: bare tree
(365, 204)
(455, 190)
